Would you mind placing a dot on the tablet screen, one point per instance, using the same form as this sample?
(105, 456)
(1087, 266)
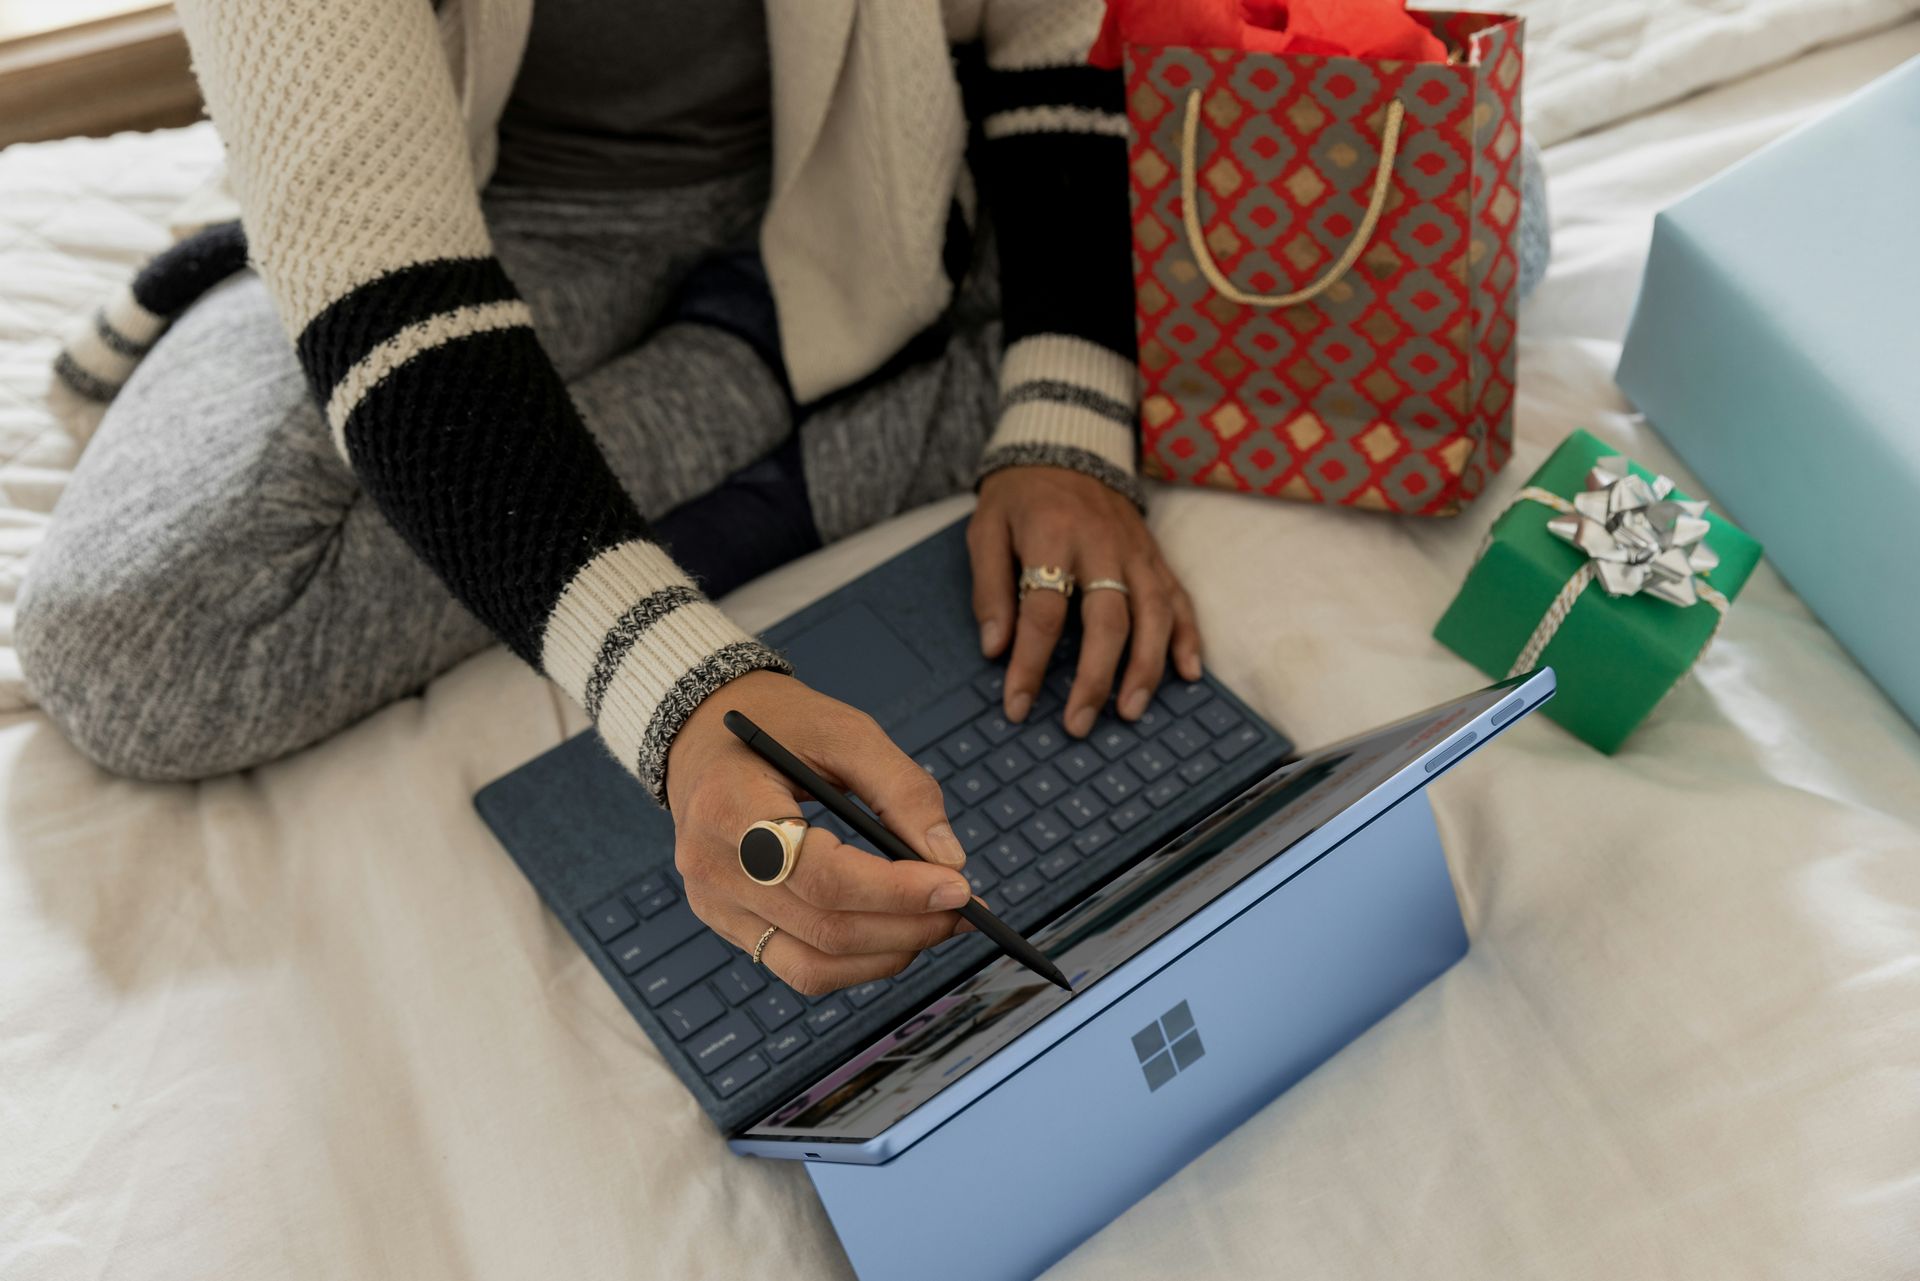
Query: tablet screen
(885, 1082)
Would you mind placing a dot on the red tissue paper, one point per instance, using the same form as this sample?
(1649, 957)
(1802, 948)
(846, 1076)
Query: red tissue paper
(1330, 28)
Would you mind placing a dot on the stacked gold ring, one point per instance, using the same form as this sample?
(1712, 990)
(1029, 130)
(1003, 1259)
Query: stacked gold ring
(1045, 578)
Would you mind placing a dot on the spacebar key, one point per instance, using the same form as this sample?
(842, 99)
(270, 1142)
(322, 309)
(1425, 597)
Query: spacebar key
(945, 714)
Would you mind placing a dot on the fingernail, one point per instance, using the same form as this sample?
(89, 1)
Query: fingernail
(948, 896)
(1080, 722)
(945, 846)
(1018, 706)
(1135, 704)
(990, 636)
(1190, 667)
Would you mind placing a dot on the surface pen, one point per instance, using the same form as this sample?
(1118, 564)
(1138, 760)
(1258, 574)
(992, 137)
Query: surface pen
(842, 807)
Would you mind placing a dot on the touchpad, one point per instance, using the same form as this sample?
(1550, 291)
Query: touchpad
(856, 658)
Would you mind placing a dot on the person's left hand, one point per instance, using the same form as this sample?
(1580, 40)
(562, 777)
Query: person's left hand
(1043, 516)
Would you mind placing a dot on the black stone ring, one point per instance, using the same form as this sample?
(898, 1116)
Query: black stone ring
(770, 848)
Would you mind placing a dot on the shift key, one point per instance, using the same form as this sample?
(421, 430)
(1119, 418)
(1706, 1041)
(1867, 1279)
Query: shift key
(655, 938)
(723, 1042)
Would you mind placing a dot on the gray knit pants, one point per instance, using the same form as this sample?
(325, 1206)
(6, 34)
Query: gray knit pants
(216, 591)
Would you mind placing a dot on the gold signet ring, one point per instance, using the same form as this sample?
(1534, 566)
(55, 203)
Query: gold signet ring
(770, 848)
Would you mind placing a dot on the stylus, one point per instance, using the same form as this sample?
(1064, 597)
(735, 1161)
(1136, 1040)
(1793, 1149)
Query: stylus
(843, 808)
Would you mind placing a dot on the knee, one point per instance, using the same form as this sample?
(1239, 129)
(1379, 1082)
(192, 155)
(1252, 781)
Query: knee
(135, 692)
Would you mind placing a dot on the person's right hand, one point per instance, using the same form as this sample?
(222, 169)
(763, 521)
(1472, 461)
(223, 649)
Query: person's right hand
(845, 916)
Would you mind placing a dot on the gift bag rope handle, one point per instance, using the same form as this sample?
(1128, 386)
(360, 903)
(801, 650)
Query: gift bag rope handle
(1190, 214)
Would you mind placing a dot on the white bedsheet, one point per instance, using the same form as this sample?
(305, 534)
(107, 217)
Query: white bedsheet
(310, 1022)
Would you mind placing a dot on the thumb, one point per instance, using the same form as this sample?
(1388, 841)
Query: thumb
(904, 796)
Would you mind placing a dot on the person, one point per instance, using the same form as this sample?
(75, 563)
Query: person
(563, 318)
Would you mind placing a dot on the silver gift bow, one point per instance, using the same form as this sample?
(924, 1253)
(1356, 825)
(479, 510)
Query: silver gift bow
(1638, 538)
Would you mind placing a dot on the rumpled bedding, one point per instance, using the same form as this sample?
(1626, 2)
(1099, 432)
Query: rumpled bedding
(310, 1022)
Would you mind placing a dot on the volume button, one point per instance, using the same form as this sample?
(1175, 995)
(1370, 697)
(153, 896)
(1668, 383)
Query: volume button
(1447, 757)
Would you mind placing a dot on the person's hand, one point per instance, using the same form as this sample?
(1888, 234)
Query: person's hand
(845, 916)
(1051, 516)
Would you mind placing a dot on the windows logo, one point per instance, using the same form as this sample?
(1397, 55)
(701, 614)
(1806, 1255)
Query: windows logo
(1168, 1046)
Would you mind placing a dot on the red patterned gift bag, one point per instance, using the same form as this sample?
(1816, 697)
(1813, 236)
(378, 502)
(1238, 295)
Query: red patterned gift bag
(1324, 266)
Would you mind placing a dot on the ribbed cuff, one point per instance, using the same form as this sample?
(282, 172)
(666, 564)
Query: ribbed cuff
(1086, 463)
(639, 647)
(1067, 402)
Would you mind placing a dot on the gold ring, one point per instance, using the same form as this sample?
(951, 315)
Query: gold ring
(1105, 585)
(1045, 578)
(761, 946)
(770, 848)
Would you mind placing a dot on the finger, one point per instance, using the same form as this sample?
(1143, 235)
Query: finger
(831, 875)
(900, 793)
(1105, 620)
(1041, 618)
(990, 547)
(848, 933)
(800, 965)
(1186, 635)
(1152, 628)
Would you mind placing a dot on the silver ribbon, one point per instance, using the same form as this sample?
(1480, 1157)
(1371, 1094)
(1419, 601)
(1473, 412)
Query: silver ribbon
(1637, 538)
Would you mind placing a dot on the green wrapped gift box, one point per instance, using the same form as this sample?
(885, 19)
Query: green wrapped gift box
(1615, 655)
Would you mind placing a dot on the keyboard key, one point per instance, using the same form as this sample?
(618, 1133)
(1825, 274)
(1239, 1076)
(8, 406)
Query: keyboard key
(827, 1015)
(1182, 697)
(786, 1043)
(1079, 762)
(1113, 741)
(1083, 807)
(1008, 855)
(609, 919)
(936, 720)
(1150, 761)
(974, 829)
(1008, 809)
(691, 1011)
(1043, 740)
(947, 945)
(639, 948)
(1217, 717)
(972, 786)
(1045, 830)
(1009, 762)
(1043, 785)
(1198, 768)
(682, 968)
(936, 764)
(1097, 837)
(991, 685)
(1058, 863)
(1184, 739)
(1236, 742)
(1166, 791)
(739, 981)
(749, 1069)
(658, 901)
(1045, 704)
(964, 747)
(997, 728)
(1151, 721)
(647, 886)
(722, 1042)
(1060, 680)
(1131, 814)
(867, 993)
(776, 1007)
(981, 877)
(1116, 783)
(1025, 885)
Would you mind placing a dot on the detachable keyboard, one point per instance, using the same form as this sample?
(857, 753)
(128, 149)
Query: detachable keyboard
(1044, 818)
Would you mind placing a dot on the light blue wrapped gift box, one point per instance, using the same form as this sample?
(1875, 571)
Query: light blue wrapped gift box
(1776, 347)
